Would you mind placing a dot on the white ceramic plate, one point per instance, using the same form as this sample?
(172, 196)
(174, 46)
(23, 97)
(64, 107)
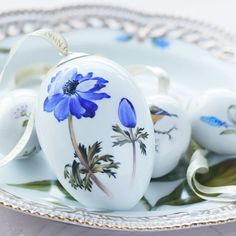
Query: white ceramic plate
(197, 57)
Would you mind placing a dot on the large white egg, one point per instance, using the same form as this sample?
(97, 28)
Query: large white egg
(15, 108)
(213, 117)
(172, 133)
(96, 131)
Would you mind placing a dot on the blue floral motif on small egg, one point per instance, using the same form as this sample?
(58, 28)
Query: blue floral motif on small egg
(71, 93)
(213, 121)
(21, 111)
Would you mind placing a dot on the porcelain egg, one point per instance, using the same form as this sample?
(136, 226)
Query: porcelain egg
(213, 116)
(15, 108)
(172, 133)
(96, 132)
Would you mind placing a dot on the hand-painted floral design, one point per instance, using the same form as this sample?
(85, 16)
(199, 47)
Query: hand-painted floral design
(128, 118)
(22, 112)
(214, 121)
(157, 114)
(127, 114)
(81, 177)
(230, 126)
(71, 94)
(159, 42)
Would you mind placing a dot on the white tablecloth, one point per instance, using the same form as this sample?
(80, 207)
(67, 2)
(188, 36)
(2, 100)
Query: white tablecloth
(219, 12)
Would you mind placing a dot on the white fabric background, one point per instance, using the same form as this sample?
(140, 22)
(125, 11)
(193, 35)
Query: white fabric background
(219, 12)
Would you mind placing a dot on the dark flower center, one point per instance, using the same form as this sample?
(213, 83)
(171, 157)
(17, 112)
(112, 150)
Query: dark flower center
(70, 87)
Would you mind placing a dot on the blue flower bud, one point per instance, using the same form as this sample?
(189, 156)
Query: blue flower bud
(127, 114)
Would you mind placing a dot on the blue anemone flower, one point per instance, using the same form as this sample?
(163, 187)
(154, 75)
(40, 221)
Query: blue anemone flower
(127, 114)
(213, 121)
(71, 93)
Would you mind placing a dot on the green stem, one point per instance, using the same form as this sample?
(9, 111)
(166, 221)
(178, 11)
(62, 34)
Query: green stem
(134, 153)
(82, 161)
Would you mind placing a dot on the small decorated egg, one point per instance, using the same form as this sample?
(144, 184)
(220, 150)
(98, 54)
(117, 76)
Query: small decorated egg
(213, 117)
(172, 132)
(96, 132)
(16, 107)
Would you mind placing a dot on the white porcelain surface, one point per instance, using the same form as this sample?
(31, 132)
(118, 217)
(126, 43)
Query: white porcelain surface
(15, 109)
(193, 70)
(213, 117)
(172, 132)
(56, 141)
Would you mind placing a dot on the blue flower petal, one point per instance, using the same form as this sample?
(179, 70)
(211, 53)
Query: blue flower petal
(86, 77)
(100, 80)
(55, 77)
(75, 108)
(94, 96)
(50, 103)
(89, 106)
(92, 85)
(61, 110)
(49, 87)
(127, 114)
(79, 77)
(161, 42)
(70, 93)
(63, 78)
(85, 86)
(213, 121)
(96, 88)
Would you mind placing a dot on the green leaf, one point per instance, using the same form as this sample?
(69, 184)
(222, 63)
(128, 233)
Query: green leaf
(116, 128)
(105, 158)
(229, 131)
(4, 50)
(44, 186)
(175, 198)
(66, 194)
(221, 174)
(139, 134)
(94, 149)
(81, 175)
(25, 123)
(142, 147)
(179, 172)
(120, 143)
(83, 152)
